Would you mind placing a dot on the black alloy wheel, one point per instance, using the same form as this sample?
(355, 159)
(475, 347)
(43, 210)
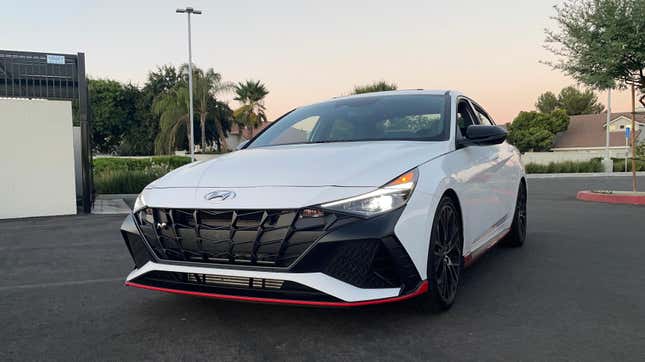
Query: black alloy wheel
(445, 260)
(517, 235)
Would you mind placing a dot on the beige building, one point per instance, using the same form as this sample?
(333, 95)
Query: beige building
(586, 137)
(586, 133)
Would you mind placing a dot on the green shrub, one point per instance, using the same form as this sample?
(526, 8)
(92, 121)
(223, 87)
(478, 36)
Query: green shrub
(536, 168)
(566, 167)
(122, 163)
(619, 164)
(115, 175)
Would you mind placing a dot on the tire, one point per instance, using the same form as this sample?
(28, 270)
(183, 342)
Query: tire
(445, 259)
(517, 235)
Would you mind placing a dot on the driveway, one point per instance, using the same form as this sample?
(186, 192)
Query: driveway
(576, 291)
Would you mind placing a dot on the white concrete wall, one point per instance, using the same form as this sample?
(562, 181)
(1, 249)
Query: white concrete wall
(37, 164)
(544, 158)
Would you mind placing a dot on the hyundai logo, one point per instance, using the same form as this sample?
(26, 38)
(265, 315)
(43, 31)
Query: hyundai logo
(220, 195)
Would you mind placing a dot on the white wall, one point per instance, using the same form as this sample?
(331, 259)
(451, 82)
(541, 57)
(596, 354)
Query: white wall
(37, 164)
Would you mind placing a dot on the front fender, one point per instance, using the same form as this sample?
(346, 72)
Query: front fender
(415, 224)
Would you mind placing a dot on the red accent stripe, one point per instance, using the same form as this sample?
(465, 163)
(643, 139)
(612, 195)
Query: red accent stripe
(470, 258)
(423, 288)
(611, 198)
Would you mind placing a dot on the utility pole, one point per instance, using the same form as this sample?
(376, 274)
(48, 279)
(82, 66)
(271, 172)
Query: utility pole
(633, 138)
(609, 166)
(188, 11)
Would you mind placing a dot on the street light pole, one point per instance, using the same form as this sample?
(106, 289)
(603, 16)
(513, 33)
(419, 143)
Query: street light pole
(188, 11)
(608, 162)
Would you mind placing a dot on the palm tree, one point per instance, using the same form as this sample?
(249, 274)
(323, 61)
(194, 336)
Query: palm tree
(172, 109)
(251, 95)
(207, 85)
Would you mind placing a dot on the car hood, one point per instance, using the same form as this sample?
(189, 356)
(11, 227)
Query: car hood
(351, 164)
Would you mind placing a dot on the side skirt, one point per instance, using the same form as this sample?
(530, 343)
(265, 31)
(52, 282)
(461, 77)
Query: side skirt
(474, 255)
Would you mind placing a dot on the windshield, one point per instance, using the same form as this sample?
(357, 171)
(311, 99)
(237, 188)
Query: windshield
(416, 117)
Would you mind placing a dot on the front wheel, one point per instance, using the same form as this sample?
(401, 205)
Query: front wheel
(445, 260)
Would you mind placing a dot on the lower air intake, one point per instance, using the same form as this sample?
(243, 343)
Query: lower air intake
(231, 285)
(230, 281)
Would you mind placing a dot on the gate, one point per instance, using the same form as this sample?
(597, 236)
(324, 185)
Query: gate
(52, 76)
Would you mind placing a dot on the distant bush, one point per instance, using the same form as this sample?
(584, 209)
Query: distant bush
(123, 163)
(116, 175)
(619, 164)
(566, 167)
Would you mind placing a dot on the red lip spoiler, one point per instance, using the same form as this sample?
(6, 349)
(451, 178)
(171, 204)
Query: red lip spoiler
(423, 288)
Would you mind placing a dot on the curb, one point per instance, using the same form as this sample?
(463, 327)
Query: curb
(611, 198)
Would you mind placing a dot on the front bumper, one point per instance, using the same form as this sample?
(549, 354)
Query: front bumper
(356, 263)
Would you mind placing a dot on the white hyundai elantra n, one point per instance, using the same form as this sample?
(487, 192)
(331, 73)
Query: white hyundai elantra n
(359, 200)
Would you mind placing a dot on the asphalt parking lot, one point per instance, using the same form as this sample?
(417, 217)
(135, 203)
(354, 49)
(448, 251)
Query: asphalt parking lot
(576, 291)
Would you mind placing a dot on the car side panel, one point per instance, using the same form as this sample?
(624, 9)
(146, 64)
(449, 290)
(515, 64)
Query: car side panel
(471, 181)
(485, 184)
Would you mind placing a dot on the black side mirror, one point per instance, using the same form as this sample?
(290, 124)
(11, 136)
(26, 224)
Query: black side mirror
(483, 135)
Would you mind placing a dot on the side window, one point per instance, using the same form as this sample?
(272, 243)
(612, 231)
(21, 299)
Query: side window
(484, 117)
(465, 118)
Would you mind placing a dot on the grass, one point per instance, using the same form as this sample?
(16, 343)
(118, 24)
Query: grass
(116, 175)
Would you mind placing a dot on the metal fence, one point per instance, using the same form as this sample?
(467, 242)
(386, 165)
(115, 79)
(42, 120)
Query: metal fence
(38, 75)
(51, 76)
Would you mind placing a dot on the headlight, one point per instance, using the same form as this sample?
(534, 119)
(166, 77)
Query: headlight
(389, 197)
(139, 203)
(142, 212)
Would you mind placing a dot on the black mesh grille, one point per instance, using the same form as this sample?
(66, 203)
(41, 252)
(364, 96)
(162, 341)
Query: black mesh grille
(249, 237)
(363, 263)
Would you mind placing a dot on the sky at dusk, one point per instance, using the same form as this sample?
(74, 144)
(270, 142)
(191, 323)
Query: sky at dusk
(308, 51)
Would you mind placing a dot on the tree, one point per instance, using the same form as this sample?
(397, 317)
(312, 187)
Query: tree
(251, 95)
(172, 109)
(535, 131)
(575, 102)
(113, 108)
(571, 100)
(601, 43)
(547, 102)
(379, 86)
(207, 85)
(139, 138)
(222, 116)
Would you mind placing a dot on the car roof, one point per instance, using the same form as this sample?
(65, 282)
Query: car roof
(403, 92)
(453, 93)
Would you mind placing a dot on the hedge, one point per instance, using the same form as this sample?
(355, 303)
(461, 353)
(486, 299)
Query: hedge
(116, 175)
(102, 164)
(595, 165)
(619, 164)
(566, 167)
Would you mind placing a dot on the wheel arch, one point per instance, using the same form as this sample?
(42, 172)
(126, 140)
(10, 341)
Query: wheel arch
(455, 198)
(453, 195)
